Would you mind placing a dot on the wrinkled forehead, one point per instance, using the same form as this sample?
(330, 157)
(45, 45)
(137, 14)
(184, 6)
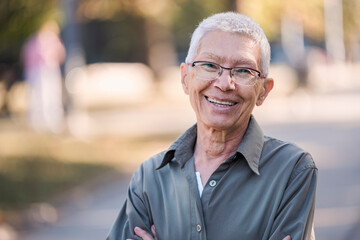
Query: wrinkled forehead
(242, 37)
(217, 47)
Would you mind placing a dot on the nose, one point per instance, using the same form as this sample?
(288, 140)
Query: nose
(225, 81)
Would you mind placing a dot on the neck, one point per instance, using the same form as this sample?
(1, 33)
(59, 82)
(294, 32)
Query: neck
(214, 145)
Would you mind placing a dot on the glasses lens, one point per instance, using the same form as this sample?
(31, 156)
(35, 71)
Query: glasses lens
(212, 71)
(207, 71)
(244, 76)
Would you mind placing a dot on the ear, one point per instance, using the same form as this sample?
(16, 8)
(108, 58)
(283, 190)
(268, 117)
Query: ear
(266, 88)
(185, 77)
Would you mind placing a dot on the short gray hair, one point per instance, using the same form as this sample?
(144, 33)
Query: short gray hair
(234, 23)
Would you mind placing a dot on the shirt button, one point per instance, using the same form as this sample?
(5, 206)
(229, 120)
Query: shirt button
(198, 228)
(212, 183)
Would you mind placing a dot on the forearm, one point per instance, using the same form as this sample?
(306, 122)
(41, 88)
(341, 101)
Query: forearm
(296, 212)
(133, 213)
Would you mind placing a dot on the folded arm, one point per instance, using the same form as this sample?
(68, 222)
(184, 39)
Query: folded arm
(134, 212)
(295, 215)
(146, 236)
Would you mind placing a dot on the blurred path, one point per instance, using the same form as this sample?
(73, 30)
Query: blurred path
(327, 126)
(87, 216)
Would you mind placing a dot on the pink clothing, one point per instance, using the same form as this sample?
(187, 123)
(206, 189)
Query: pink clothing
(43, 55)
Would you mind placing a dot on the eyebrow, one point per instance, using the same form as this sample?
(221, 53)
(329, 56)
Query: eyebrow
(235, 62)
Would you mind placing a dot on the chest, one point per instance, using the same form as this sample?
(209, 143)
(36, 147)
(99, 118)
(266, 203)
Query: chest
(235, 204)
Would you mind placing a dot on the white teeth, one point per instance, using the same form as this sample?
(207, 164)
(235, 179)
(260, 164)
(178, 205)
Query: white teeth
(220, 103)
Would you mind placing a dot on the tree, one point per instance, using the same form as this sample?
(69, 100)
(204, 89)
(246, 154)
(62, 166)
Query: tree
(310, 13)
(18, 20)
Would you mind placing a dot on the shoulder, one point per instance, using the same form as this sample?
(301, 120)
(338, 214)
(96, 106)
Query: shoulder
(148, 180)
(287, 154)
(151, 164)
(145, 172)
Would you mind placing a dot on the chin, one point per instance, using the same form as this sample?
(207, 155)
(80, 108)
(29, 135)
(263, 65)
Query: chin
(221, 125)
(227, 123)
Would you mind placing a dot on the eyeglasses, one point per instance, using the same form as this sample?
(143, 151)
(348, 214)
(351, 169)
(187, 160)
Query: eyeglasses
(212, 71)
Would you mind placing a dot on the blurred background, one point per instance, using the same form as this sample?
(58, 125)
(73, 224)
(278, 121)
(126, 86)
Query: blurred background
(91, 88)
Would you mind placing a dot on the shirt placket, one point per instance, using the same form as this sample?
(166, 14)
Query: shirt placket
(212, 184)
(198, 231)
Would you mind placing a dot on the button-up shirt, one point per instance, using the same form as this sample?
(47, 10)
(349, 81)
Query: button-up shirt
(266, 190)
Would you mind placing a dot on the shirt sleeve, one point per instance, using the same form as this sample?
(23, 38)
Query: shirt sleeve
(134, 212)
(295, 215)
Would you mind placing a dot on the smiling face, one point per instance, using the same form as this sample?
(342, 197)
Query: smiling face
(222, 104)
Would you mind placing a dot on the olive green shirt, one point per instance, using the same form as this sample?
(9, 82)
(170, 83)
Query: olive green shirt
(264, 191)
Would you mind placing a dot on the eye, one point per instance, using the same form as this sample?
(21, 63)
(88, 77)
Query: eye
(242, 71)
(209, 66)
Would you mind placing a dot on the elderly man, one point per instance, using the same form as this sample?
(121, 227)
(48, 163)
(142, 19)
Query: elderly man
(223, 179)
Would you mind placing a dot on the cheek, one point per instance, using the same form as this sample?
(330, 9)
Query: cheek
(258, 90)
(196, 86)
(249, 97)
(196, 89)
(193, 94)
(249, 94)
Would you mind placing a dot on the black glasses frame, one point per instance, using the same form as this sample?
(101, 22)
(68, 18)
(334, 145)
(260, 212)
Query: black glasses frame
(227, 68)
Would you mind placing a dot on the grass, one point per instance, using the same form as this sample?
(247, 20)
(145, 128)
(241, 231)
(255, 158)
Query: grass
(34, 167)
(29, 180)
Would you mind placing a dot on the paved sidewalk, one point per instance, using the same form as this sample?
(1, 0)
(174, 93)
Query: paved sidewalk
(85, 217)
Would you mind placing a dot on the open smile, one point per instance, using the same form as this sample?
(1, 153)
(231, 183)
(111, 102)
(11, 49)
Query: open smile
(220, 103)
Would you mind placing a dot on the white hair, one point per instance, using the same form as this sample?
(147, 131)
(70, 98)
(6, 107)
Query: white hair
(234, 23)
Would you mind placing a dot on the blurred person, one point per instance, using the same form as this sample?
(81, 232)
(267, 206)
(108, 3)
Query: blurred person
(223, 179)
(8, 78)
(42, 55)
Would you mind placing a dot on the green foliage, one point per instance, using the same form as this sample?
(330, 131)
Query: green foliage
(187, 16)
(269, 13)
(28, 180)
(18, 20)
(351, 9)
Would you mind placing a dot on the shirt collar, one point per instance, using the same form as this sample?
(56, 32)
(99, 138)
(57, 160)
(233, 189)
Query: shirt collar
(252, 144)
(250, 147)
(182, 149)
